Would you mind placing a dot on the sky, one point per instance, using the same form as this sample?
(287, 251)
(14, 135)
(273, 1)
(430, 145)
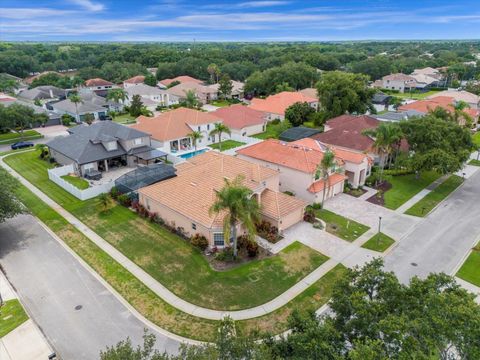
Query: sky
(226, 20)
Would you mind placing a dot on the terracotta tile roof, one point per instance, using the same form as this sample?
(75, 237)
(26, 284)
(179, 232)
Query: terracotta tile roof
(318, 186)
(174, 124)
(276, 205)
(291, 155)
(346, 132)
(425, 106)
(240, 116)
(193, 191)
(466, 96)
(399, 77)
(181, 89)
(97, 82)
(182, 79)
(343, 154)
(278, 103)
(139, 79)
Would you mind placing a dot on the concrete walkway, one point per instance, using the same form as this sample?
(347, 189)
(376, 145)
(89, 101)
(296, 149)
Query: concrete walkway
(161, 290)
(470, 287)
(419, 196)
(25, 342)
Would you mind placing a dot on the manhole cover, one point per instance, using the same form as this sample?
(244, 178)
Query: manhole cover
(78, 307)
(413, 264)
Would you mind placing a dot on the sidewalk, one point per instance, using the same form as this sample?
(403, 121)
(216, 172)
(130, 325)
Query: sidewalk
(161, 290)
(470, 287)
(419, 196)
(26, 342)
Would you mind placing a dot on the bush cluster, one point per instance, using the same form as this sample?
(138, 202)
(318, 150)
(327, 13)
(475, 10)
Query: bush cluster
(244, 242)
(199, 241)
(267, 231)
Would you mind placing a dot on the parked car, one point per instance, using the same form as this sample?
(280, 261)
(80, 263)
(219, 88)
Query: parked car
(21, 145)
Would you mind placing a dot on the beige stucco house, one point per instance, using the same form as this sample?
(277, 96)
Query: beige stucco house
(184, 201)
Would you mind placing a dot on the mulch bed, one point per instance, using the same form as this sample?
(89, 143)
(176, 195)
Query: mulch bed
(356, 192)
(378, 199)
(242, 258)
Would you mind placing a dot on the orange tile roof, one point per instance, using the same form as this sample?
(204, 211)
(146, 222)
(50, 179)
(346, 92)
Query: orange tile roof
(276, 205)
(193, 191)
(318, 186)
(278, 103)
(239, 116)
(294, 156)
(343, 154)
(181, 79)
(139, 79)
(174, 124)
(97, 82)
(425, 106)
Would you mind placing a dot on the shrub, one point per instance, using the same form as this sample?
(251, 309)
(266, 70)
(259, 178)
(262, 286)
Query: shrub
(275, 122)
(397, 172)
(225, 255)
(317, 206)
(124, 200)
(267, 231)
(244, 242)
(373, 179)
(290, 193)
(152, 216)
(199, 241)
(114, 193)
(309, 215)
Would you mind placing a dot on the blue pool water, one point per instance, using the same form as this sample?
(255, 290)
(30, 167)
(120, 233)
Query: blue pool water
(192, 154)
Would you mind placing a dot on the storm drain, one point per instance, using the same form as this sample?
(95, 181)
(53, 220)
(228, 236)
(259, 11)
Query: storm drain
(78, 307)
(414, 264)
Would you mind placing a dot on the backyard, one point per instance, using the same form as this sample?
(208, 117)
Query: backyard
(432, 199)
(163, 254)
(379, 242)
(76, 181)
(273, 131)
(404, 187)
(476, 138)
(124, 119)
(227, 145)
(340, 226)
(12, 137)
(416, 95)
(470, 270)
(153, 307)
(12, 315)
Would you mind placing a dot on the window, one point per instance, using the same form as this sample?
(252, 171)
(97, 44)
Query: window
(147, 202)
(208, 126)
(137, 141)
(218, 239)
(194, 226)
(199, 128)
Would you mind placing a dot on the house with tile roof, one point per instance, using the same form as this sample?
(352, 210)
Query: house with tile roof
(184, 201)
(170, 130)
(242, 120)
(237, 89)
(181, 79)
(151, 96)
(471, 99)
(298, 163)
(275, 105)
(97, 84)
(136, 80)
(399, 82)
(204, 93)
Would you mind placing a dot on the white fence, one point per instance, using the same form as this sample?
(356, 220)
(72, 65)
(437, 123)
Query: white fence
(56, 174)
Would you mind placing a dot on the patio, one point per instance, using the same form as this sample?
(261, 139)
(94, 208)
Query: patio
(111, 175)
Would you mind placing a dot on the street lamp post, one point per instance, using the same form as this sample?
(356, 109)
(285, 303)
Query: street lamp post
(379, 228)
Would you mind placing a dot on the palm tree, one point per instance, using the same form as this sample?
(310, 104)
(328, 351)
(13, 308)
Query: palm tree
(117, 95)
(195, 136)
(191, 99)
(104, 201)
(219, 129)
(386, 135)
(460, 114)
(89, 118)
(76, 99)
(239, 206)
(323, 170)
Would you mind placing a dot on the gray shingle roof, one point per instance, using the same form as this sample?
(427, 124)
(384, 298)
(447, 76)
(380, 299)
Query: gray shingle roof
(84, 145)
(42, 92)
(83, 107)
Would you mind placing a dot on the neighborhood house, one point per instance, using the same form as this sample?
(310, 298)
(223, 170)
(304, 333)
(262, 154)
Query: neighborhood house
(185, 200)
(242, 120)
(275, 105)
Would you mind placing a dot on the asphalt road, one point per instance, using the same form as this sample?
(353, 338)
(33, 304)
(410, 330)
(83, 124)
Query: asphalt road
(440, 242)
(52, 283)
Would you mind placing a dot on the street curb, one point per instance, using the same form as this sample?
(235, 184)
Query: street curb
(464, 258)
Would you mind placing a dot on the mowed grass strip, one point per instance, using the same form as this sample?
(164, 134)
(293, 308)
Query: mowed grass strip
(379, 242)
(12, 137)
(12, 315)
(470, 270)
(404, 187)
(340, 226)
(154, 308)
(171, 260)
(432, 199)
(474, 162)
(227, 145)
(76, 181)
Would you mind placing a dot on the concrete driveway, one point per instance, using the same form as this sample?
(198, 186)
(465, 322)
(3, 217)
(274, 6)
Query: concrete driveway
(393, 224)
(75, 311)
(48, 132)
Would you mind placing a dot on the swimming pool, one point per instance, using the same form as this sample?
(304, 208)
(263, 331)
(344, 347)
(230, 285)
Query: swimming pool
(192, 154)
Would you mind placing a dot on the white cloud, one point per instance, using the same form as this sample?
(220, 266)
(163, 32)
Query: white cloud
(26, 13)
(257, 4)
(89, 5)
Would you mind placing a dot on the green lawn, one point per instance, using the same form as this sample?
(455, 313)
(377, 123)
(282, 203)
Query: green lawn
(149, 304)
(76, 181)
(474, 162)
(124, 119)
(413, 94)
(404, 187)
(172, 261)
(272, 131)
(340, 226)
(220, 103)
(12, 137)
(425, 205)
(379, 242)
(476, 138)
(227, 145)
(470, 270)
(12, 315)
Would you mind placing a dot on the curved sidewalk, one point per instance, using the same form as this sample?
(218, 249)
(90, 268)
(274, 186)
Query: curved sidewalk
(161, 290)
